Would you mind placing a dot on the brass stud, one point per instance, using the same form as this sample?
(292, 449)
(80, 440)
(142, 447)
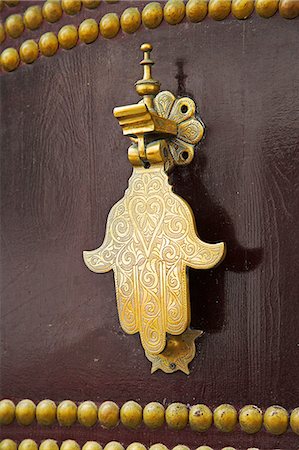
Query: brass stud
(131, 414)
(49, 444)
(91, 4)
(154, 415)
(28, 444)
(204, 447)
(88, 31)
(276, 420)
(196, 10)
(108, 414)
(71, 7)
(14, 25)
(29, 51)
(177, 416)
(219, 9)
(152, 15)
(109, 25)
(242, 9)
(225, 418)
(158, 447)
(46, 409)
(87, 413)
(92, 445)
(181, 447)
(68, 36)
(251, 419)
(114, 445)
(8, 444)
(52, 10)
(33, 17)
(228, 448)
(266, 8)
(294, 420)
(174, 11)
(25, 412)
(289, 9)
(48, 44)
(130, 20)
(67, 413)
(70, 444)
(136, 446)
(9, 59)
(200, 418)
(7, 407)
(2, 38)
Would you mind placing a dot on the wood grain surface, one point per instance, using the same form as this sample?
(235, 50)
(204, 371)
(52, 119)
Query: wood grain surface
(64, 164)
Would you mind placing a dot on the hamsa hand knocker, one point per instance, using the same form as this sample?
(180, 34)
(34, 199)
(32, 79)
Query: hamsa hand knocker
(151, 236)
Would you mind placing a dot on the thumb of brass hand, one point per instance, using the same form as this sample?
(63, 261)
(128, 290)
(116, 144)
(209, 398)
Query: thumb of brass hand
(150, 240)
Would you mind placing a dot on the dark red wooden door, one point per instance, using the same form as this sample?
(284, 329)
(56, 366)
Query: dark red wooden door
(64, 164)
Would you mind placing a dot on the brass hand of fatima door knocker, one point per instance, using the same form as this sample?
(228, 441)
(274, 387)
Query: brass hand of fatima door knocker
(151, 235)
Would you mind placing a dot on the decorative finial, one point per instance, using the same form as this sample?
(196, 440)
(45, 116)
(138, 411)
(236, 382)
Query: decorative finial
(147, 87)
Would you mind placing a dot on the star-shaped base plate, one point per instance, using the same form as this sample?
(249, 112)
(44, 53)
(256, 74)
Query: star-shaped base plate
(178, 353)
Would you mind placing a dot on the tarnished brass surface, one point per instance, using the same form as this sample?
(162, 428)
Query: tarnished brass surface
(151, 236)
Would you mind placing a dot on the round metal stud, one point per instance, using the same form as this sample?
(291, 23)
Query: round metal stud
(219, 9)
(88, 31)
(87, 413)
(225, 418)
(114, 445)
(48, 44)
(9, 59)
(2, 33)
(174, 11)
(154, 415)
(276, 420)
(71, 7)
(294, 420)
(8, 444)
(196, 10)
(14, 25)
(266, 8)
(46, 409)
(204, 447)
(91, 4)
(52, 10)
(158, 447)
(108, 414)
(251, 419)
(29, 51)
(25, 412)
(68, 36)
(136, 446)
(242, 9)
(200, 418)
(70, 444)
(131, 414)
(289, 9)
(177, 416)
(33, 17)
(130, 20)
(49, 444)
(109, 25)
(92, 445)
(7, 407)
(181, 447)
(67, 413)
(152, 15)
(28, 444)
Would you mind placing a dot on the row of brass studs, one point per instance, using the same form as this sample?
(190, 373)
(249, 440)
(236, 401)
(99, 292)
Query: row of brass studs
(51, 444)
(130, 21)
(177, 415)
